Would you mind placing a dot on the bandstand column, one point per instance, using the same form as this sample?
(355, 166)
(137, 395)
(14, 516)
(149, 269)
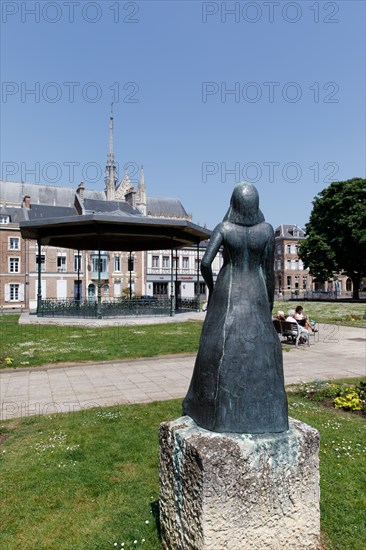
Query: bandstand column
(39, 288)
(78, 292)
(172, 305)
(130, 270)
(176, 280)
(198, 277)
(99, 303)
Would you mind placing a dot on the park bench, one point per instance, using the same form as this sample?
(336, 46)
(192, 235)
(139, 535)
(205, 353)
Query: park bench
(291, 331)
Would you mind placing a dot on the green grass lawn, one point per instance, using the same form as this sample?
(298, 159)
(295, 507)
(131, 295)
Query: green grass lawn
(36, 345)
(351, 314)
(86, 480)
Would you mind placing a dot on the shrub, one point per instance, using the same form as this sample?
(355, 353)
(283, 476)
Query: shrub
(350, 402)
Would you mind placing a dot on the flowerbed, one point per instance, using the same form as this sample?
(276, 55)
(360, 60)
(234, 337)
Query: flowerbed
(338, 395)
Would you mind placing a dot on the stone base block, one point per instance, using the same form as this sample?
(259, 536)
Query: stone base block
(239, 491)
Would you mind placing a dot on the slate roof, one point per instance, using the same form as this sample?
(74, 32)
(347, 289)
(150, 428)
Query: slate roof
(112, 207)
(12, 192)
(44, 212)
(113, 233)
(165, 207)
(287, 231)
(16, 214)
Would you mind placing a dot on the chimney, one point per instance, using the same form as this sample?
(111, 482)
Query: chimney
(130, 197)
(80, 191)
(26, 202)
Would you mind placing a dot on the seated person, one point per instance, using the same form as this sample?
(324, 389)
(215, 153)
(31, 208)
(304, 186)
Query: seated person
(280, 315)
(291, 318)
(303, 320)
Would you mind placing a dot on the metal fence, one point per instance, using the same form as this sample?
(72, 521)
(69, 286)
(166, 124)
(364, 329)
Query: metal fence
(327, 295)
(107, 308)
(315, 295)
(190, 304)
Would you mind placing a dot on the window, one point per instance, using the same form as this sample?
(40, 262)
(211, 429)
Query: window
(106, 290)
(280, 283)
(278, 265)
(185, 262)
(278, 249)
(14, 243)
(304, 281)
(176, 263)
(78, 290)
(14, 292)
(77, 262)
(131, 264)
(61, 263)
(288, 264)
(117, 263)
(14, 265)
(4, 220)
(161, 289)
(348, 285)
(289, 282)
(166, 261)
(296, 248)
(103, 264)
(91, 292)
(155, 261)
(202, 288)
(197, 264)
(117, 289)
(297, 278)
(288, 249)
(41, 260)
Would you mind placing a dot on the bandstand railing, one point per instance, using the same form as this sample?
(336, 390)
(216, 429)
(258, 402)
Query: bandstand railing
(111, 307)
(188, 304)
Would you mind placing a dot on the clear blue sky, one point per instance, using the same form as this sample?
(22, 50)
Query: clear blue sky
(294, 122)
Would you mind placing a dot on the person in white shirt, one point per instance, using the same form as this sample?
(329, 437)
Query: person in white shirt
(299, 316)
(291, 318)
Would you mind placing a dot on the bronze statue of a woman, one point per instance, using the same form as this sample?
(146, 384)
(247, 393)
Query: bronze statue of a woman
(238, 383)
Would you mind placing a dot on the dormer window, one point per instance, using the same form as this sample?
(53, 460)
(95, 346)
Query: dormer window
(4, 219)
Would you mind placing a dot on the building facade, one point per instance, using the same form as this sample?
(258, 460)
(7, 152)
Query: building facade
(75, 274)
(290, 274)
(70, 273)
(186, 272)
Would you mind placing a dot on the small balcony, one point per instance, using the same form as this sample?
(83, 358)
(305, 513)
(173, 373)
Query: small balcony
(104, 275)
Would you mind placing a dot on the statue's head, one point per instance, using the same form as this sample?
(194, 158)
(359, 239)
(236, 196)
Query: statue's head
(244, 206)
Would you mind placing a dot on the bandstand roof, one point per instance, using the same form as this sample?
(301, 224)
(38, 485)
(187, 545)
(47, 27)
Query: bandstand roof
(113, 232)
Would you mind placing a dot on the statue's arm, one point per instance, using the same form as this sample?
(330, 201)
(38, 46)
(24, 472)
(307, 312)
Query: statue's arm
(269, 268)
(213, 247)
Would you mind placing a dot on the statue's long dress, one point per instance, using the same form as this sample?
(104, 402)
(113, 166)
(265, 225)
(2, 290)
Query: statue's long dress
(237, 383)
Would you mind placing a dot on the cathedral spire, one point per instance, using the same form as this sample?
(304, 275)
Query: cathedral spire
(111, 176)
(141, 193)
(142, 180)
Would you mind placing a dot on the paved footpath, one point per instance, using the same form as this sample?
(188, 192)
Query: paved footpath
(337, 352)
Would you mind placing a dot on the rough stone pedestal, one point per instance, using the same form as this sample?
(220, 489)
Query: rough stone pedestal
(239, 491)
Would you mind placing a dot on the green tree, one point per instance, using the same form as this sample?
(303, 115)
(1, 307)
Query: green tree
(336, 233)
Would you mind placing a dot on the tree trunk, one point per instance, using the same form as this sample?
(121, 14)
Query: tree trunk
(355, 277)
